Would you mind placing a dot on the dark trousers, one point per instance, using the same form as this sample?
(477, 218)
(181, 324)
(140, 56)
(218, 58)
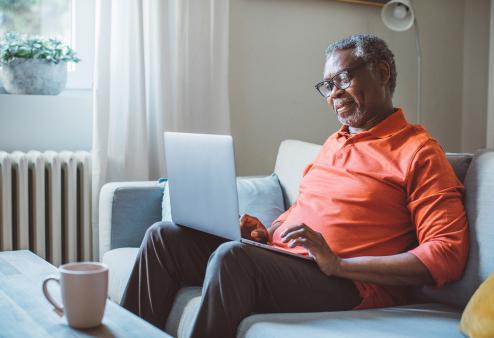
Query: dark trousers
(237, 280)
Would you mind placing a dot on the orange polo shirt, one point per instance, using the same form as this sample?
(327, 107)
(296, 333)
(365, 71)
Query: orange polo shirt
(384, 191)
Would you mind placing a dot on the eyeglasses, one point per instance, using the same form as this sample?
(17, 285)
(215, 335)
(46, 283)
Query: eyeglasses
(342, 80)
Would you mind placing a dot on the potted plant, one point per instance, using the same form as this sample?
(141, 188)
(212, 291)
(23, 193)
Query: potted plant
(34, 65)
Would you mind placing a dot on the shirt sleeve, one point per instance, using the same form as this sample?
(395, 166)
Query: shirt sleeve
(437, 210)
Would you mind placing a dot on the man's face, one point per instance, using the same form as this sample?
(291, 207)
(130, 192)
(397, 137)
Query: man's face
(365, 99)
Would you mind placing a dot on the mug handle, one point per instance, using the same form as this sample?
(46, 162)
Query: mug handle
(57, 308)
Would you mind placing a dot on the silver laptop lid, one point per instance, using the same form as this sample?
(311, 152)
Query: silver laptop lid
(202, 183)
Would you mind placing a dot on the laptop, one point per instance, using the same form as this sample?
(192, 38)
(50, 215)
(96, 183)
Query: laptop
(203, 187)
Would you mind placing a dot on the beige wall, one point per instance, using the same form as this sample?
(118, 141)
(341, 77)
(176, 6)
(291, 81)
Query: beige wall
(490, 114)
(475, 74)
(276, 57)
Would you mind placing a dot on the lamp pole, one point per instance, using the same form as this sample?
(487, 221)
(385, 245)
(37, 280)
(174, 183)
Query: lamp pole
(419, 72)
(399, 16)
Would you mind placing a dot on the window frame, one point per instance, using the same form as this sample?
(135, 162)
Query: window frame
(80, 75)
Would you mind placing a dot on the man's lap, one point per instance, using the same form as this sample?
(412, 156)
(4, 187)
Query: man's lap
(284, 283)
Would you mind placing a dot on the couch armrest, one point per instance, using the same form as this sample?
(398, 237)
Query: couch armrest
(126, 210)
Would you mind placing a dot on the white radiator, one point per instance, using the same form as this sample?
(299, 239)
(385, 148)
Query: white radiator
(45, 204)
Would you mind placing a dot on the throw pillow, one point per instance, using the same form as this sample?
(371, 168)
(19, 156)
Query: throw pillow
(260, 197)
(257, 196)
(477, 320)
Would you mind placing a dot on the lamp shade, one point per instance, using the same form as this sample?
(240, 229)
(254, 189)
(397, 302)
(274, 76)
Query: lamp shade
(398, 15)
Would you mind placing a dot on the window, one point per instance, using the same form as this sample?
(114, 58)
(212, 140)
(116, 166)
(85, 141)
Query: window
(70, 20)
(48, 17)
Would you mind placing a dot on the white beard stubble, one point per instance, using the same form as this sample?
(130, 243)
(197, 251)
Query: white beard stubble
(353, 120)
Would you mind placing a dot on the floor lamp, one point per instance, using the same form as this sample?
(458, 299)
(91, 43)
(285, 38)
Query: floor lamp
(399, 16)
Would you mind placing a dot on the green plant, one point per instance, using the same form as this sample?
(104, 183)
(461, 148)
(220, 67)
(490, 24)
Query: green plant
(19, 46)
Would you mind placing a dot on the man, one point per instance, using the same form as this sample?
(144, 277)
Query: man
(379, 209)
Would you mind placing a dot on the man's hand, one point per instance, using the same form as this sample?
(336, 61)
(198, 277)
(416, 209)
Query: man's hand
(302, 235)
(252, 228)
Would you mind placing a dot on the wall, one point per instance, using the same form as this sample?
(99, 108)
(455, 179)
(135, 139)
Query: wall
(63, 122)
(276, 57)
(475, 74)
(35, 122)
(490, 114)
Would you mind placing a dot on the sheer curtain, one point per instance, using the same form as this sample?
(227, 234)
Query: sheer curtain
(160, 65)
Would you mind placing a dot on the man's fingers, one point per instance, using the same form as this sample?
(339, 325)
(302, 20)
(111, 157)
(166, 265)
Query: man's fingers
(246, 226)
(301, 241)
(249, 218)
(259, 235)
(299, 231)
(249, 224)
(293, 228)
(245, 218)
(259, 232)
(293, 234)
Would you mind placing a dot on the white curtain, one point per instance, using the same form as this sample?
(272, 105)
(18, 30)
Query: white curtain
(160, 65)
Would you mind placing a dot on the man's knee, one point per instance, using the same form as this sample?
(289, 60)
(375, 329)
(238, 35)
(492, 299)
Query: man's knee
(160, 230)
(231, 267)
(228, 255)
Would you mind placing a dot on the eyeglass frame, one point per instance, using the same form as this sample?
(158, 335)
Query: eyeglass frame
(331, 81)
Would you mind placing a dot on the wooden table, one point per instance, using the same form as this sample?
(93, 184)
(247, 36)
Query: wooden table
(24, 311)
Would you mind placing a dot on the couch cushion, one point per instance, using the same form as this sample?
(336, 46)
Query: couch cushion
(183, 312)
(429, 320)
(460, 163)
(479, 204)
(259, 196)
(293, 157)
(120, 263)
(138, 208)
(126, 210)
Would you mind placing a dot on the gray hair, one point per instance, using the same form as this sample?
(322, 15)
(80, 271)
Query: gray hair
(369, 48)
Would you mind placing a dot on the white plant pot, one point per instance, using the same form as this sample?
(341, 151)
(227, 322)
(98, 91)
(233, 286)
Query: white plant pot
(33, 76)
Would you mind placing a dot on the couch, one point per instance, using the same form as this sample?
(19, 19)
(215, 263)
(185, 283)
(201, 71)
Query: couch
(127, 209)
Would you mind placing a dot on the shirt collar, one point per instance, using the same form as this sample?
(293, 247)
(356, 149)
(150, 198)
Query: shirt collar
(387, 127)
